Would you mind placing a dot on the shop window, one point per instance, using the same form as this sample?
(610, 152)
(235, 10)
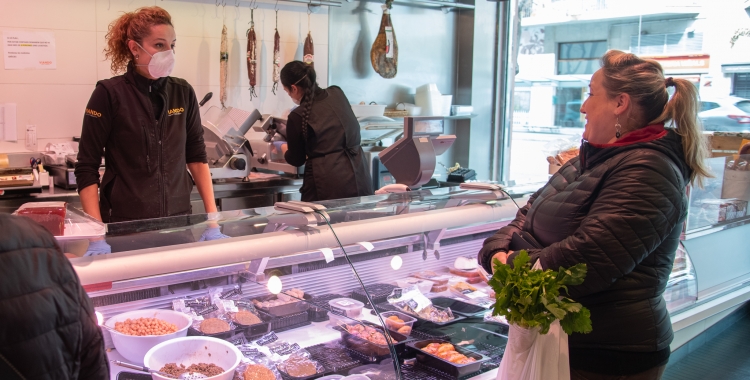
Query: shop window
(580, 57)
(668, 43)
(742, 85)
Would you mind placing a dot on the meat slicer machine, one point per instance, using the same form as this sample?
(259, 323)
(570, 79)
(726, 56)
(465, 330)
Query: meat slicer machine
(238, 141)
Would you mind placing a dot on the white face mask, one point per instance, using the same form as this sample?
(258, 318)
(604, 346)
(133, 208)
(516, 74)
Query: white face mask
(161, 64)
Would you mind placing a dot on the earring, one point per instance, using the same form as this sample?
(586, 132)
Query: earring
(618, 128)
(137, 56)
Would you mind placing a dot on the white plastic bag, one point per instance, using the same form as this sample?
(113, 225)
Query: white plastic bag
(533, 356)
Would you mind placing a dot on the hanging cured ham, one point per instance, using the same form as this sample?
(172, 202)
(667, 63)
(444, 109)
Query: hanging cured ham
(252, 55)
(384, 52)
(223, 67)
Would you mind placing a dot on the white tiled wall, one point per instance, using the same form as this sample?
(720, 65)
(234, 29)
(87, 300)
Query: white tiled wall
(54, 100)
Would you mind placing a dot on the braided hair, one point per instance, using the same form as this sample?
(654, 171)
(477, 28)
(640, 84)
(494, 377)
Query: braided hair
(303, 76)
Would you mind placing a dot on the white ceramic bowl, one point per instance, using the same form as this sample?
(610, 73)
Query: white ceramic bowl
(362, 110)
(193, 350)
(134, 348)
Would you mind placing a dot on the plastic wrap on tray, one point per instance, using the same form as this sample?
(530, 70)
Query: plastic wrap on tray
(443, 357)
(255, 365)
(369, 340)
(283, 304)
(413, 302)
(62, 221)
(299, 365)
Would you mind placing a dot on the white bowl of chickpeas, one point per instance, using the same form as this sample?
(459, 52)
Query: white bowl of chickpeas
(135, 332)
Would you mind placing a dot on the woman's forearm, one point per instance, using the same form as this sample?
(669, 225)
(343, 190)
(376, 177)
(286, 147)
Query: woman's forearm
(202, 178)
(90, 201)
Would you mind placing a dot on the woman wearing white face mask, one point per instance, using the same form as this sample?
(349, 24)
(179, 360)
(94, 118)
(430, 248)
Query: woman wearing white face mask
(323, 134)
(146, 125)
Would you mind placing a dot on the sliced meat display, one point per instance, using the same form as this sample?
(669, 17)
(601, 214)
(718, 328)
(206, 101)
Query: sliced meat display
(384, 52)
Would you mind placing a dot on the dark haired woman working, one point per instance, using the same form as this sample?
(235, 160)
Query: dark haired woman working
(323, 134)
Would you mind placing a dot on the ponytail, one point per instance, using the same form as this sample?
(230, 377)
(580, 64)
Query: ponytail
(682, 109)
(303, 76)
(643, 79)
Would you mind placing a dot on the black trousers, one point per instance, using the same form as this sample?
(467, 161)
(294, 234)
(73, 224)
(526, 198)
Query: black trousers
(651, 374)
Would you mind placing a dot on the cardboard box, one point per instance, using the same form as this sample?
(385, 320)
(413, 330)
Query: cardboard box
(722, 210)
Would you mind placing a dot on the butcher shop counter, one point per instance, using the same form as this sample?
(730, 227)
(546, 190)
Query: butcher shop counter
(356, 248)
(234, 194)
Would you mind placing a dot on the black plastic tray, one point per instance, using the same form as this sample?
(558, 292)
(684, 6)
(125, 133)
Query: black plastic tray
(317, 314)
(420, 321)
(322, 300)
(378, 293)
(257, 329)
(458, 307)
(285, 309)
(444, 366)
(334, 359)
(290, 321)
(124, 375)
(370, 349)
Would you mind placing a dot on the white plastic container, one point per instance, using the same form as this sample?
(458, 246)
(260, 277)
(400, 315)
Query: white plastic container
(424, 286)
(429, 99)
(346, 306)
(447, 101)
(363, 110)
(133, 347)
(194, 350)
(394, 325)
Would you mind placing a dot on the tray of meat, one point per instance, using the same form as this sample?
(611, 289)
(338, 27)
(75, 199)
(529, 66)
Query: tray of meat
(431, 314)
(446, 358)
(458, 307)
(63, 222)
(283, 304)
(369, 340)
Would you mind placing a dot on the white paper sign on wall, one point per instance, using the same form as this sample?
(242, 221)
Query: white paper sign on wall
(29, 50)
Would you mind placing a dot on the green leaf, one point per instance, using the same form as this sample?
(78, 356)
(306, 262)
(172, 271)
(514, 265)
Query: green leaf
(577, 322)
(556, 311)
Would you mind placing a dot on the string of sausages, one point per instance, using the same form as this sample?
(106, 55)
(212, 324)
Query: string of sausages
(276, 56)
(252, 55)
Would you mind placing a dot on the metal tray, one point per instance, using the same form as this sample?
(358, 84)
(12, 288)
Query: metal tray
(444, 366)
(371, 349)
(388, 307)
(458, 307)
(285, 309)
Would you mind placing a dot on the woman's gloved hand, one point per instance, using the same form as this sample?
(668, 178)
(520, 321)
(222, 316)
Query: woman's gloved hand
(212, 233)
(97, 247)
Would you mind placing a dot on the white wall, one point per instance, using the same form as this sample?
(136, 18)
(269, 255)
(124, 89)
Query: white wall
(54, 100)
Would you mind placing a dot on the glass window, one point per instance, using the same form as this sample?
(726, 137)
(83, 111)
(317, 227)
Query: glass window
(743, 105)
(560, 42)
(705, 106)
(580, 57)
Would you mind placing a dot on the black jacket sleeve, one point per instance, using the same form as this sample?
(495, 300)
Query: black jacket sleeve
(500, 241)
(637, 207)
(195, 148)
(295, 154)
(97, 124)
(94, 363)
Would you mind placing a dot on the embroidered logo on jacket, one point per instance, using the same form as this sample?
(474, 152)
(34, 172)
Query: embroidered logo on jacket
(92, 113)
(175, 111)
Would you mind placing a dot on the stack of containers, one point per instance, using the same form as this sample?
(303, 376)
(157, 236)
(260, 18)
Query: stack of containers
(432, 102)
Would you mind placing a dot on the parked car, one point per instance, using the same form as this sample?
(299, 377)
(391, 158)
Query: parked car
(728, 113)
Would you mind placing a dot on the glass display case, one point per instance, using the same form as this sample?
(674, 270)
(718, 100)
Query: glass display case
(323, 282)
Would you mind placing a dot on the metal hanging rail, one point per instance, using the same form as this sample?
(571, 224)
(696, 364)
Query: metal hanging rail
(312, 3)
(444, 5)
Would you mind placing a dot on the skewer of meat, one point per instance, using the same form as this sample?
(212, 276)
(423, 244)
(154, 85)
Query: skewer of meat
(223, 67)
(276, 56)
(252, 54)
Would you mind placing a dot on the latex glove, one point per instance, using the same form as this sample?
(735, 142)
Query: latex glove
(280, 146)
(212, 233)
(98, 247)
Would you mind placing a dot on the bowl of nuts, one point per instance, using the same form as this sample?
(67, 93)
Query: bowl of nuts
(135, 332)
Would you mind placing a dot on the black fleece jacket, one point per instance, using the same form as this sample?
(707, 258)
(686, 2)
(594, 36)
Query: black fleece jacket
(148, 130)
(48, 329)
(619, 209)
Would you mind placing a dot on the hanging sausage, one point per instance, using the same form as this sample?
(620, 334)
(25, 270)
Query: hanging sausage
(223, 67)
(252, 56)
(384, 52)
(276, 56)
(309, 49)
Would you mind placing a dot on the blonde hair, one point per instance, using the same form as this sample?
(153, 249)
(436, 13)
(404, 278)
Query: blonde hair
(131, 26)
(643, 80)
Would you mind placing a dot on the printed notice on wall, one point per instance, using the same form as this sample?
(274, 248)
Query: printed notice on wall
(29, 50)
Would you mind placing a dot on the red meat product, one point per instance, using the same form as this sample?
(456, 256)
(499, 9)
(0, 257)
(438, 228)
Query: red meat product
(384, 52)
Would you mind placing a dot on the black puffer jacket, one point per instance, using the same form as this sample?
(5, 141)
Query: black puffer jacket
(47, 325)
(619, 209)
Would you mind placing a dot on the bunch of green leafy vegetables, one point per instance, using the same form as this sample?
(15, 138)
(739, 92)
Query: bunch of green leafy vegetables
(531, 298)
